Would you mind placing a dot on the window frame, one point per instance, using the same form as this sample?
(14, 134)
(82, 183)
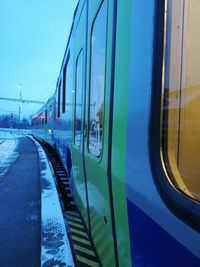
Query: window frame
(181, 205)
(64, 84)
(59, 96)
(50, 111)
(97, 157)
(74, 133)
(46, 116)
(64, 90)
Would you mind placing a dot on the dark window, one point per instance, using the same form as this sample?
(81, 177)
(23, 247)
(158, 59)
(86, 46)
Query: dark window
(78, 99)
(181, 100)
(50, 112)
(45, 116)
(64, 90)
(97, 81)
(54, 109)
(41, 118)
(59, 99)
(65, 84)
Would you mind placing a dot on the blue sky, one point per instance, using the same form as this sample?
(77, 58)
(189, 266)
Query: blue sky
(33, 37)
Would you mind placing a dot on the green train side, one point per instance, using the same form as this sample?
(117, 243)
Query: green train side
(100, 122)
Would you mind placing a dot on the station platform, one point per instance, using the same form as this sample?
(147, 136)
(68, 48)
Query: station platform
(32, 228)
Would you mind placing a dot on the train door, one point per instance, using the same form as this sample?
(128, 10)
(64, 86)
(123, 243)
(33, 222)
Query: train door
(79, 97)
(96, 142)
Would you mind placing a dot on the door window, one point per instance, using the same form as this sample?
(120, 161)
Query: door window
(97, 82)
(78, 100)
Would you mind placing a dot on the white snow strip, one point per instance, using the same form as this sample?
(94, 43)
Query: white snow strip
(55, 247)
(7, 154)
(7, 148)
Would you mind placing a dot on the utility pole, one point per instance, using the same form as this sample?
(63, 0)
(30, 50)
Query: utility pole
(20, 97)
(21, 101)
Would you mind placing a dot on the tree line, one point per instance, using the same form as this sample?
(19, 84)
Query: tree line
(12, 121)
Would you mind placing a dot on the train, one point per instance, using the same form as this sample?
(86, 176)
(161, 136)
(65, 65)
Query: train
(124, 120)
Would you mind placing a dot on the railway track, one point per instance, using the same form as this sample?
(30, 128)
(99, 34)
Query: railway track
(81, 244)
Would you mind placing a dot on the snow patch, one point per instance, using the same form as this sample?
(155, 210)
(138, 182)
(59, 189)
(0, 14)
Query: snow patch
(7, 154)
(55, 247)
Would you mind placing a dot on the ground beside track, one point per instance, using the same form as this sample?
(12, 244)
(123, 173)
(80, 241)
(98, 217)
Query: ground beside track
(20, 220)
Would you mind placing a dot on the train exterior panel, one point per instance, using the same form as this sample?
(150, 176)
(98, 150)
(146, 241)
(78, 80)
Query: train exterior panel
(64, 107)
(122, 120)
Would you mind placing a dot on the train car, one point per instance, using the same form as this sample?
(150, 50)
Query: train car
(43, 122)
(126, 126)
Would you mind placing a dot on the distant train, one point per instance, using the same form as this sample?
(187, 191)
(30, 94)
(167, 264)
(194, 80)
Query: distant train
(125, 120)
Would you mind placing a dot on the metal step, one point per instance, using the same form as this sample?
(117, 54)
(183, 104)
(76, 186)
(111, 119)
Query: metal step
(85, 254)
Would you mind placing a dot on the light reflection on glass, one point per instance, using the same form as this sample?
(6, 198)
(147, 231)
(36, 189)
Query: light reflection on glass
(181, 123)
(96, 114)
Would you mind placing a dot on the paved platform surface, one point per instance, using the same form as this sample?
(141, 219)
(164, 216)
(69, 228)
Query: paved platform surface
(20, 220)
(33, 231)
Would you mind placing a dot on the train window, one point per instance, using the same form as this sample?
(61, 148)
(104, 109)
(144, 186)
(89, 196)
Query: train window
(45, 117)
(64, 89)
(54, 108)
(42, 118)
(181, 100)
(78, 99)
(59, 87)
(65, 83)
(97, 79)
(50, 111)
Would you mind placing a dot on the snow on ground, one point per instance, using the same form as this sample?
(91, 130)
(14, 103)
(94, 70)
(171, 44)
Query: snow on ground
(5, 134)
(55, 250)
(2, 136)
(8, 143)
